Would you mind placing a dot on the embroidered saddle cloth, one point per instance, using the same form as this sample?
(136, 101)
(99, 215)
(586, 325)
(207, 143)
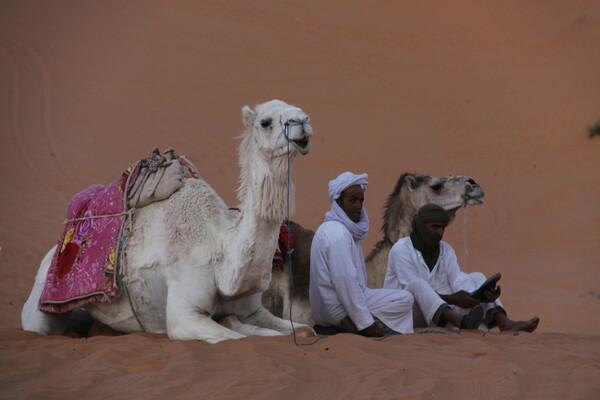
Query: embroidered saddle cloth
(85, 264)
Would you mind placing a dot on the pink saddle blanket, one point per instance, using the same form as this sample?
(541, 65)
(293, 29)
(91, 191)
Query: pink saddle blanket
(84, 263)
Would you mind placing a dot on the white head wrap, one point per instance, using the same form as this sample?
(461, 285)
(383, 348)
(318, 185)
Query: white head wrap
(343, 182)
(359, 229)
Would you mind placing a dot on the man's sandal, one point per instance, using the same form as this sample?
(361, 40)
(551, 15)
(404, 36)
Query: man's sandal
(473, 319)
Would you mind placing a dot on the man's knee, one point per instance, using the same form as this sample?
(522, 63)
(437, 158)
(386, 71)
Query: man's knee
(404, 296)
(478, 278)
(404, 301)
(416, 285)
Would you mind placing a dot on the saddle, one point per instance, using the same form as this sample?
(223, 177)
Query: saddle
(87, 260)
(159, 177)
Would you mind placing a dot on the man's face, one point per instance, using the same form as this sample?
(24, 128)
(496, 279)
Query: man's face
(436, 228)
(351, 201)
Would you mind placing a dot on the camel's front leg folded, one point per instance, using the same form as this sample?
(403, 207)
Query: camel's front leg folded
(232, 322)
(198, 326)
(259, 316)
(187, 321)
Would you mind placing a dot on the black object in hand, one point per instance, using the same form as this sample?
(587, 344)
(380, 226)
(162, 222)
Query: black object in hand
(490, 282)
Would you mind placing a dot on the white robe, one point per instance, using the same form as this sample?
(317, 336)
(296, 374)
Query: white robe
(338, 285)
(406, 267)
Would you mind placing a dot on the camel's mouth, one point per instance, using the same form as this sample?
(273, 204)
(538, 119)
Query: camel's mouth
(473, 198)
(303, 145)
(474, 201)
(467, 200)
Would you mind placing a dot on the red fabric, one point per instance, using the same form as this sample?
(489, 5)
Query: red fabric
(189, 169)
(285, 244)
(66, 259)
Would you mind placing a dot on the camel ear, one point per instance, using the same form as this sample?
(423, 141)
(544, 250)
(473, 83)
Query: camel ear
(411, 182)
(248, 117)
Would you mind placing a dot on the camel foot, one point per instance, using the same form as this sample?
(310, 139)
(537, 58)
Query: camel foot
(305, 331)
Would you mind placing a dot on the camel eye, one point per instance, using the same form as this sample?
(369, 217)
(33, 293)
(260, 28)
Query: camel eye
(437, 187)
(265, 123)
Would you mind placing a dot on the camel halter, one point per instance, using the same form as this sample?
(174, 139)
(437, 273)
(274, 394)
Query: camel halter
(465, 253)
(286, 132)
(465, 250)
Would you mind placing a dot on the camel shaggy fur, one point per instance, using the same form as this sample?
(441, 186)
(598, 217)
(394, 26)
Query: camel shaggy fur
(411, 192)
(190, 261)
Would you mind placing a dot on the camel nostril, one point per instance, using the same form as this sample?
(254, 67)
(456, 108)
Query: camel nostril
(307, 130)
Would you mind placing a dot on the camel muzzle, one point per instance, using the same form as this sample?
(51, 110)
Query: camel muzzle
(473, 193)
(302, 144)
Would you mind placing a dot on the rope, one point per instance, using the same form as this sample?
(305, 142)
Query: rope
(287, 221)
(122, 246)
(137, 318)
(432, 330)
(465, 253)
(128, 212)
(286, 126)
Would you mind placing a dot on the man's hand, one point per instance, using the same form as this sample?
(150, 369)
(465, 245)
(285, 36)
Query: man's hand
(348, 324)
(491, 294)
(462, 299)
(374, 330)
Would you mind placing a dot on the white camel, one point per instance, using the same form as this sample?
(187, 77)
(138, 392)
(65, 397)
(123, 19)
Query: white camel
(411, 192)
(191, 261)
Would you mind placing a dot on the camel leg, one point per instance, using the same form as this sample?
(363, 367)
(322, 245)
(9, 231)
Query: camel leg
(194, 326)
(33, 319)
(186, 320)
(250, 311)
(232, 322)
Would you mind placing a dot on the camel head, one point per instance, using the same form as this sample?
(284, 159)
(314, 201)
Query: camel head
(276, 126)
(274, 131)
(415, 190)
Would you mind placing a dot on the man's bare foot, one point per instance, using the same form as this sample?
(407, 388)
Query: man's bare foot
(506, 324)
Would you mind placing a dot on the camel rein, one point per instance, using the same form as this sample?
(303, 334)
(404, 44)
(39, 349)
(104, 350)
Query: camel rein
(285, 132)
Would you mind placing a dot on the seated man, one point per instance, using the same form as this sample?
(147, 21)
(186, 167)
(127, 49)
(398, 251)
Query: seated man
(338, 291)
(423, 260)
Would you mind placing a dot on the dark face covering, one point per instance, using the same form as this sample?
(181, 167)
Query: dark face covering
(422, 239)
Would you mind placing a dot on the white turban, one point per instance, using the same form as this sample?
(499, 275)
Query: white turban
(343, 182)
(358, 230)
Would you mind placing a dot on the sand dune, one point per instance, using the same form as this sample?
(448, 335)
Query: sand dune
(429, 366)
(503, 92)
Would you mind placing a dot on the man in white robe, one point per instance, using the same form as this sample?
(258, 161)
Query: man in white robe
(444, 293)
(338, 291)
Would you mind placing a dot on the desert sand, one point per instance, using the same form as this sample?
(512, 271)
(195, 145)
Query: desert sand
(504, 92)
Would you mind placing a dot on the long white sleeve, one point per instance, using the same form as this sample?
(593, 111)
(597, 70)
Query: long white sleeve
(403, 267)
(338, 280)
